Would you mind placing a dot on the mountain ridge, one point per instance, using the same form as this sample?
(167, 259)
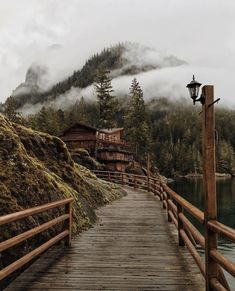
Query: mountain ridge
(121, 60)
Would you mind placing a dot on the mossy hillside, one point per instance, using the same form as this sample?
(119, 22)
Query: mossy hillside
(82, 157)
(53, 154)
(37, 168)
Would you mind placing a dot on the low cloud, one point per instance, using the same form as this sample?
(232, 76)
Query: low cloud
(86, 26)
(166, 82)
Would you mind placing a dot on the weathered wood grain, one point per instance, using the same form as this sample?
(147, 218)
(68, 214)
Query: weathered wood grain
(132, 247)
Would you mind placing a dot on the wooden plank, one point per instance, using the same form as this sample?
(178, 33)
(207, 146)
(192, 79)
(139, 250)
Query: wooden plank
(132, 247)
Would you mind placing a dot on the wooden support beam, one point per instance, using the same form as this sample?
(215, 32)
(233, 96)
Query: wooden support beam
(209, 183)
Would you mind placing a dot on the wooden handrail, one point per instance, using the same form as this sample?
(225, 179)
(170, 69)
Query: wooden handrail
(174, 204)
(222, 229)
(217, 285)
(64, 234)
(30, 233)
(195, 233)
(32, 211)
(27, 258)
(194, 211)
(223, 261)
(193, 252)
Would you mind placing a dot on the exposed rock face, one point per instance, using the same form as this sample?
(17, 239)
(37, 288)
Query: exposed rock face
(136, 169)
(82, 157)
(35, 80)
(37, 168)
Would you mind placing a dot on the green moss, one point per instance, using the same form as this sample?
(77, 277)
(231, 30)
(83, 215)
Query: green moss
(36, 168)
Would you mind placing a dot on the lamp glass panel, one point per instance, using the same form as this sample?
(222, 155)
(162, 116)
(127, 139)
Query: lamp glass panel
(193, 92)
(197, 90)
(190, 93)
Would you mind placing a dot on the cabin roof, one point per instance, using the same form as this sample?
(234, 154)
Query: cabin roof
(78, 124)
(94, 129)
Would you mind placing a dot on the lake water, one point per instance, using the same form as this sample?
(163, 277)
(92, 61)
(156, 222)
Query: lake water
(192, 190)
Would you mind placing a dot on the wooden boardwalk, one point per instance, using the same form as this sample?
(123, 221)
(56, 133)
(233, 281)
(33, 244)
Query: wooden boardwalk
(132, 247)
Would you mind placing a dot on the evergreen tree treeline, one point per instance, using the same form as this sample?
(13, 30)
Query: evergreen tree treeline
(175, 129)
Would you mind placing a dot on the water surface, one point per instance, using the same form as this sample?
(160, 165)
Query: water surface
(192, 190)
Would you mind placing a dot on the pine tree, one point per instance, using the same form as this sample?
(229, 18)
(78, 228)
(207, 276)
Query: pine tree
(11, 113)
(136, 127)
(106, 101)
(45, 120)
(82, 111)
(60, 119)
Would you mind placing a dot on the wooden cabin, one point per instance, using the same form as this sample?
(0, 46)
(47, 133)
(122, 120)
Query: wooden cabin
(80, 136)
(107, 145)
(115, 160)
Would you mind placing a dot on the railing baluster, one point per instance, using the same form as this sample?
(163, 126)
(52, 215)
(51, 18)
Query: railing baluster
(164, 200)
(68, 223)
(180, 224)
(168, 208)
(155, 187)
(135, 183)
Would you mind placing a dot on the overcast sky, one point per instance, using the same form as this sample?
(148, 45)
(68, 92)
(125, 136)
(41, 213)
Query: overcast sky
(201, 32)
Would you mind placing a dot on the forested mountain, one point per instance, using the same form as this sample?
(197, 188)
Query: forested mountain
(176, 136)
(122, 59)
(169, 130)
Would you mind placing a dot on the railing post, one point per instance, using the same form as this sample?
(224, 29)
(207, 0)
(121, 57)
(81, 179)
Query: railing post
(160, 194)
(135, 182)
(168, 208)
(122, 177)
(209, 183)
(155, 187)
(163, 200)
(68, 223)
(180, 224)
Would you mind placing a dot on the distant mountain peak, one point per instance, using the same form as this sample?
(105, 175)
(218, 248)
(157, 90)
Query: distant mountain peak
(35, 80)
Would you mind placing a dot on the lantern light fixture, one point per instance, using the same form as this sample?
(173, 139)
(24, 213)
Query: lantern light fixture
(193, 88)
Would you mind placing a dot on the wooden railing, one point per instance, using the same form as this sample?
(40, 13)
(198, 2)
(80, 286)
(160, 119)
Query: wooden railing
(188, 234)
(64, 234)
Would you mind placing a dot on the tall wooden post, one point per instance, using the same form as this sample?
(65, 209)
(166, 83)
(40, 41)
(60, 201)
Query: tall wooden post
(209, 182)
